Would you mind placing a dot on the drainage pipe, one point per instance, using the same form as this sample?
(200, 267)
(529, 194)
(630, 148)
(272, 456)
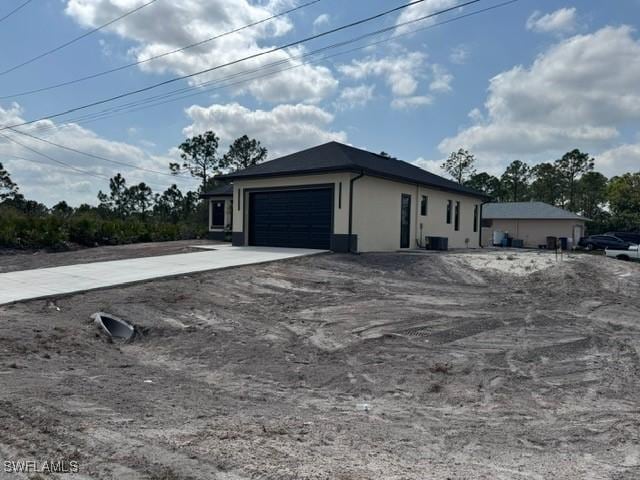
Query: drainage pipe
(351, 182)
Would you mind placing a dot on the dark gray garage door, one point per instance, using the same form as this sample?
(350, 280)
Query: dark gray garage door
(291, 218)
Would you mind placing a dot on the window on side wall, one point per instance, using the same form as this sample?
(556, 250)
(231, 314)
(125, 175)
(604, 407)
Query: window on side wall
(457, 220)
(475, 218)
(449, 206)
(423, 206)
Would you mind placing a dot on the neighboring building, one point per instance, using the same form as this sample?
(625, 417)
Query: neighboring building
(345, 199)
(531, 222)
(220, 211)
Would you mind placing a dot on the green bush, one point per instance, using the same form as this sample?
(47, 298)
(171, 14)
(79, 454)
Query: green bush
(26, 231)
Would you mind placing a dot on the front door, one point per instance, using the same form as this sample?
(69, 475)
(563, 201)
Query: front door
(405, 221)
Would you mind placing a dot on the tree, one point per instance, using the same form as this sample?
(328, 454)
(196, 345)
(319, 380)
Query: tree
(591, 192)
(8, 189)
(515, 181)
(118, 200)
(460, 165)
(139, 198)
(199, 157)
(244, 152)
(547, 184)
(571, 166)
(170, 205)
(62, 209)
(485, 183)
(623, 193)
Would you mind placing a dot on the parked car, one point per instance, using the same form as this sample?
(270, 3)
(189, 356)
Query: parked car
(631, 253)
(630, 237)
(600, 242)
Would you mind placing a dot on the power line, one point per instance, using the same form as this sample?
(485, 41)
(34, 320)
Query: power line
(234, 62)
(97, 157)
(15, 10)
(162, 55)
(67, 165)
(74, 40)
(148, 102)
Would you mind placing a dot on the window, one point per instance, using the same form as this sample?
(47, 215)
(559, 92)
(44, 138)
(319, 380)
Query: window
(423, 206)
(217, 213)
(475, 218)
(339, 194)
(449, 206)
(457, 220)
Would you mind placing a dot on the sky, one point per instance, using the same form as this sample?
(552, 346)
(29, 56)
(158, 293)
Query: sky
(530, 81)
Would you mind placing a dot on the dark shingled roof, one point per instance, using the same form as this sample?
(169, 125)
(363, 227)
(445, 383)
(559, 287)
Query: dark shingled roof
(220, 191)
(337, 157)
(527, 210)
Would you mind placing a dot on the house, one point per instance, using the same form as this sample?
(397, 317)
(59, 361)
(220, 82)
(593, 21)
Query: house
(345, 199)
(531, 222)
(220, 211)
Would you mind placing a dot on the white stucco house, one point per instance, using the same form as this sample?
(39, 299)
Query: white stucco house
(345, 199)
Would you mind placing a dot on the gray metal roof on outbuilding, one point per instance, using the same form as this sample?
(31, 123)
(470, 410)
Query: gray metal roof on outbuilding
(335, 157)
(527, 211)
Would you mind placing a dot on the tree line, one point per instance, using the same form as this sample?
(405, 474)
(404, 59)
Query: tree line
(569, 182)
(126, 213)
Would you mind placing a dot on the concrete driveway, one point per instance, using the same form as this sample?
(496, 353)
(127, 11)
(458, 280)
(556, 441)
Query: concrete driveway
(47, 282)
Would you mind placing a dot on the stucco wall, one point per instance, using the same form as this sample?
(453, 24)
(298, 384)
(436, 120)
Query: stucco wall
(376, 210)
(533, 232)
(376, 215)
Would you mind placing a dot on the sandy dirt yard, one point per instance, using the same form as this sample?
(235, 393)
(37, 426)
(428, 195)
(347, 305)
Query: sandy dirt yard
(377, 366)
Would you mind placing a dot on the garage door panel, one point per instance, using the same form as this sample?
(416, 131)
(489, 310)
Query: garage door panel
(294, 218)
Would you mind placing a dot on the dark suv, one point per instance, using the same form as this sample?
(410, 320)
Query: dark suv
(630, 237)
(600, 242)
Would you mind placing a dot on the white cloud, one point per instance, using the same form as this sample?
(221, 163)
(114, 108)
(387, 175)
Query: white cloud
(459, 55)
(441, 80)
(352, 97)
(562, 20)
(45, 180)
(579, 93)
(403, 74)
(423, 9)
(432, 166)
(195, 20)
(284, 129)
(624, 158)
(321, 20)
(415, 101)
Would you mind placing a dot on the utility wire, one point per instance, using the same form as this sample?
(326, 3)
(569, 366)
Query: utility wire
(237, 61)
(74, 40)
(64, 165)
(269, 73)
(165, 98)
(92, 155)
(67, 165)
(171, 52)
(15, 10)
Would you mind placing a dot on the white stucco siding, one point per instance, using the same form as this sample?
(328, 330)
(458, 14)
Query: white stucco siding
(377, 209)
(534, 232)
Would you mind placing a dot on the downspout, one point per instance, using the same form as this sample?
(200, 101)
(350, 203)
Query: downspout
(351, 182)
(480, 223)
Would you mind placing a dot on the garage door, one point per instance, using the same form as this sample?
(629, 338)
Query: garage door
(291, 218)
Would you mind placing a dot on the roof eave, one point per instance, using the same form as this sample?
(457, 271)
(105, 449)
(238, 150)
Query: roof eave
(355, 169)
